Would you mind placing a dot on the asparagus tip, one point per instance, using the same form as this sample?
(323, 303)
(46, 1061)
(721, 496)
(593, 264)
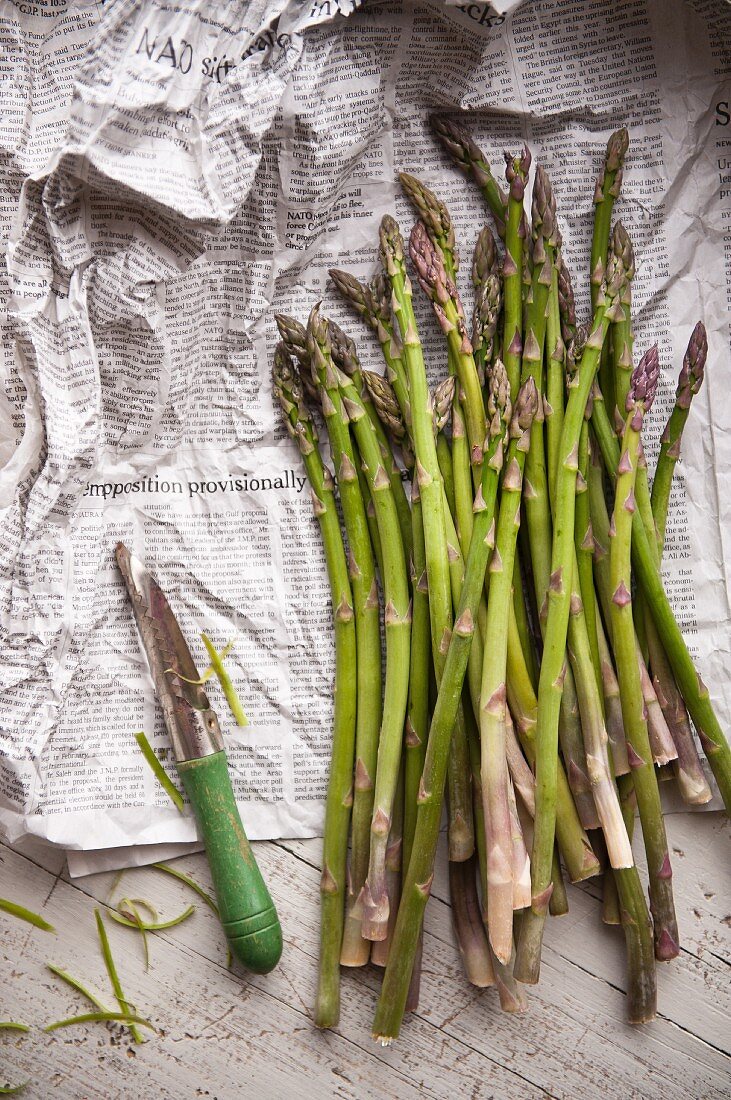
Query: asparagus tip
(643, 385)
(694, 363)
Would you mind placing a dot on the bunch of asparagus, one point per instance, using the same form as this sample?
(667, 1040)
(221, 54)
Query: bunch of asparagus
(534, 671)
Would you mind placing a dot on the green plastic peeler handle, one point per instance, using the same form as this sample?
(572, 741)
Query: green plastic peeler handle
(247, 911)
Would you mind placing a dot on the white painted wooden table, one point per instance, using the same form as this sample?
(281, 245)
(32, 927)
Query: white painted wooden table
(223, 1035)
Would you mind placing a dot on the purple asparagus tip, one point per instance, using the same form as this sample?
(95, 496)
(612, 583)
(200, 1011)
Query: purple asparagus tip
(694, 363)
(644, 379)
(516, 172)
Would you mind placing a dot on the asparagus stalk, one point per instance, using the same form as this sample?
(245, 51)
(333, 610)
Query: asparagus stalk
(339, 792)
(523, 779)
(551, 678)
(397, 618)
(417, 883)
(535, 492)
(394, 853)
(546, 239)
(355, 949)
(639, 400)
(442, 292)
(427, 467)
(512, 998)
(585, 550)
(471, 160)
(345, 356)
(606, 191)
(661, 743)
(520, 858)
(689, 382)
(621, 335)
(516, 173)
(555, 373)
(486, 316)
(488, 300)
(417, 721)
(467, 923)
(493, 694)
(688, 769)
(693, 690)
(436, 220)
(618, 844)
(612, 703)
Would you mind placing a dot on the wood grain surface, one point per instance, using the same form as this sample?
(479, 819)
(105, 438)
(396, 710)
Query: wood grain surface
(222, 1034)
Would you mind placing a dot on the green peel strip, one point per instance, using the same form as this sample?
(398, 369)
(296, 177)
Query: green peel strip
(12, 1025)
(114, 979)
(224, 679)
(157, 926)
(28, 915)
(77, 985)
(160, 774)
(190, 882)
(101, 1017)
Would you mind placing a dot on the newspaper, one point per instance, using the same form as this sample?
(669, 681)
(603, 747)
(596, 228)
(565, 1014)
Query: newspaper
(174, 173)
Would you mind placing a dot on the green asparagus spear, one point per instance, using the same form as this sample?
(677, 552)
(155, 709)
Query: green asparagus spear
(467, 156)
(493, 706)
(551, 679)
(361, 568)
(417, 883)
(339, 391)
(639, 400)
(607, 188)
(340, 790)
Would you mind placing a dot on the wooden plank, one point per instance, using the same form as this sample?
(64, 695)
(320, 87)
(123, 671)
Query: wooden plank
(458, 1043)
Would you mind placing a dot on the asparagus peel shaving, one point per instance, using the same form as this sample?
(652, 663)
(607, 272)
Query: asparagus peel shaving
(289, 393)
(158, 771)
(132, 1021)
(13, 1025)
(225, 680)
(27, 915)
(125, 1008)
(189, 882)
(78, 986)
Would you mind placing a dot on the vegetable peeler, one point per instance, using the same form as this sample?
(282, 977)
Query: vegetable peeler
(245, 906)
